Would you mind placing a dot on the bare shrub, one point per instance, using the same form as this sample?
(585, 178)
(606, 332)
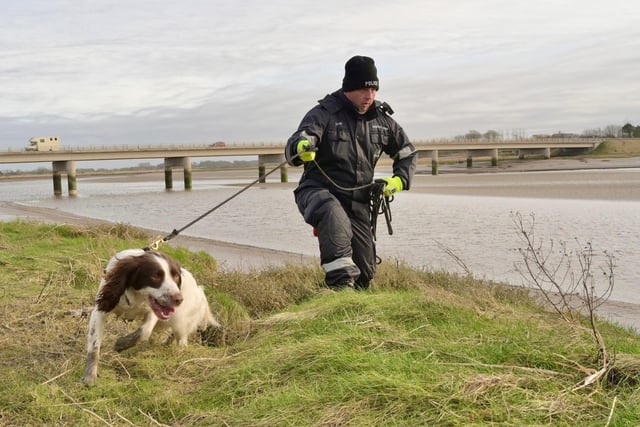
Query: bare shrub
(566, 279)
(566, 276)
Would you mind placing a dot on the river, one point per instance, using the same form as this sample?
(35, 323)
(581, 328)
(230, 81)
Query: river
(443, 222)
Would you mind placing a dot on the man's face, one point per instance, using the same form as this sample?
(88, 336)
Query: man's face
(362, 99)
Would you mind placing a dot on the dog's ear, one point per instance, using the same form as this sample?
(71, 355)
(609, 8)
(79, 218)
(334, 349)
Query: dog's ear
(117, 280)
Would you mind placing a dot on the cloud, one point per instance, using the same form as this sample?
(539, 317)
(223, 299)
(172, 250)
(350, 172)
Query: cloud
(183, 72)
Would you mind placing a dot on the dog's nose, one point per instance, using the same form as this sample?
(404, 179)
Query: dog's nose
(177, 299)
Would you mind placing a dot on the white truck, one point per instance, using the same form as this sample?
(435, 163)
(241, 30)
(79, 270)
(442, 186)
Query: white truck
(44, 143)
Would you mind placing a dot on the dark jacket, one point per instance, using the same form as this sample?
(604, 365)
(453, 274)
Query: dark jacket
(349, 146)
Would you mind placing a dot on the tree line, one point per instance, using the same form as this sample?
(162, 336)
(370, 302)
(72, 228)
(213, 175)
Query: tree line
(630, 131)
(611, 131)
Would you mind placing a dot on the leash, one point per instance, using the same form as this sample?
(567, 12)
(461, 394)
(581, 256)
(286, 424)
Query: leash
(379, 203)
(154, 246)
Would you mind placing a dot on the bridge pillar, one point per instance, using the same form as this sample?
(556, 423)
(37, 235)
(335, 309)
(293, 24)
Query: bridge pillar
(434, 162)
(57, 183)
(545, 151)
(68, 167)
(72, 178)
(177, 162)
(434, 159)
(264, 159)
(491, 152)
(188, 176)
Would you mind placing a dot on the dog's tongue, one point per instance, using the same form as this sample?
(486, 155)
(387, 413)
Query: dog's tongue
(162, 311)
(168, 311)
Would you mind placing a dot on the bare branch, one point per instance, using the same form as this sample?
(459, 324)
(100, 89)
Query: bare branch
(552, 271)
(455, 257)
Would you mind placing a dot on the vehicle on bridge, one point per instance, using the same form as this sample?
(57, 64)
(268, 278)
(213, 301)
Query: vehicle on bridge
(44, 143)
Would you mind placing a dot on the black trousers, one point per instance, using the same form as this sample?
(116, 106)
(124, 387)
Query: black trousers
(347, 248)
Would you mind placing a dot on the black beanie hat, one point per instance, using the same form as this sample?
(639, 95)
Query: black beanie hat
(360, 72)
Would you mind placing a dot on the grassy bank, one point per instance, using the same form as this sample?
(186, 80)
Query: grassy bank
(420, 348)
(618, 148)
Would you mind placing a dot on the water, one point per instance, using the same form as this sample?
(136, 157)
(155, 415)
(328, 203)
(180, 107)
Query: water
(428, 228)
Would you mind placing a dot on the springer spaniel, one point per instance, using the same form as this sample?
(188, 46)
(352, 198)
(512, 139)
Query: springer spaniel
(149, 285)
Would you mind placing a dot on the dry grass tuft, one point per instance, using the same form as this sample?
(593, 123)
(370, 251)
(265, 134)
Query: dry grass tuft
(271, 289)
(483, 383)
(625, 370)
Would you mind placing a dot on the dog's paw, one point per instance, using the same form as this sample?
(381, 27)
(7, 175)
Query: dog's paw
(90, 374)
(89, 380)
(127, 341)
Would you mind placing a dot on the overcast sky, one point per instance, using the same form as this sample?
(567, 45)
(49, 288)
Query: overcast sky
(110, 72)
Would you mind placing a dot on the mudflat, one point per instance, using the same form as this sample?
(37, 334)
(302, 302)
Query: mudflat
(544, 178)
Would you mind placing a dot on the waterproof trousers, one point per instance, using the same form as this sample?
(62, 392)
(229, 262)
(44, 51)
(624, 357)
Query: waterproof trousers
(347, 248)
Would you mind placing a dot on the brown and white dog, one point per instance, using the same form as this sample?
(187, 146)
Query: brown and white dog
(148, 285)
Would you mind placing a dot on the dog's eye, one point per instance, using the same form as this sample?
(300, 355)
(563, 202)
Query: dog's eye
(178, 279)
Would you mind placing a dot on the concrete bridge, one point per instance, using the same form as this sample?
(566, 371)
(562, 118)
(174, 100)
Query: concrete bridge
(491, 149)
(179, 156)
(175, 156)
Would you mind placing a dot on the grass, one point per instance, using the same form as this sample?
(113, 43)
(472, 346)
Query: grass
(618, 148)
(420, 348)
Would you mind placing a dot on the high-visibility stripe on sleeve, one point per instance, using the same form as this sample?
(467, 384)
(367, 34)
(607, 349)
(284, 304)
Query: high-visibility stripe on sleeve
(405, 152)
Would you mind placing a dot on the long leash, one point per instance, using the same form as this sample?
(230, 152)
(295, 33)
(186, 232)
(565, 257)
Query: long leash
(379, 203)
(175, 232)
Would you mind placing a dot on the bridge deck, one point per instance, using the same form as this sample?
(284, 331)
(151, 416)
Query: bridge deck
(177, 151)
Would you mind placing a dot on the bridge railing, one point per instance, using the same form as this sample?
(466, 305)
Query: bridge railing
(144, 147)
(252, 144)
(467, 141)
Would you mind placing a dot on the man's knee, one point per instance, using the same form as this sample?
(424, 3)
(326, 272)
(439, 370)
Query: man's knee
(314, 204)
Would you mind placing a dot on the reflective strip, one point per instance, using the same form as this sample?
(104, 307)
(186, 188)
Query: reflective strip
(405, 152)
(337, 264)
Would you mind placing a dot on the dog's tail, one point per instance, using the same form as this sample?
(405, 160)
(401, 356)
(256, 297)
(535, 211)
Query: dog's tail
(212, 333)
(212, 321)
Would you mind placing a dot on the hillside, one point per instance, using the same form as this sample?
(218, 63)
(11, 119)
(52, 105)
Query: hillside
(421, 348)
(619, 148)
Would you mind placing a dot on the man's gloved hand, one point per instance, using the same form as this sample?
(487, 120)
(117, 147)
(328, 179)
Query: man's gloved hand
(306, 150)
(392, 185)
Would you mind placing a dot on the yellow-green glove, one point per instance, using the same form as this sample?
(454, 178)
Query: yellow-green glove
(392, 185)
(306, 150)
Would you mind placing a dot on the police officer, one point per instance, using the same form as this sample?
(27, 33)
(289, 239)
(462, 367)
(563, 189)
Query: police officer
(339, 141)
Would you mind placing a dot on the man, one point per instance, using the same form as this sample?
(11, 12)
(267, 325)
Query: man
(340, 141)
